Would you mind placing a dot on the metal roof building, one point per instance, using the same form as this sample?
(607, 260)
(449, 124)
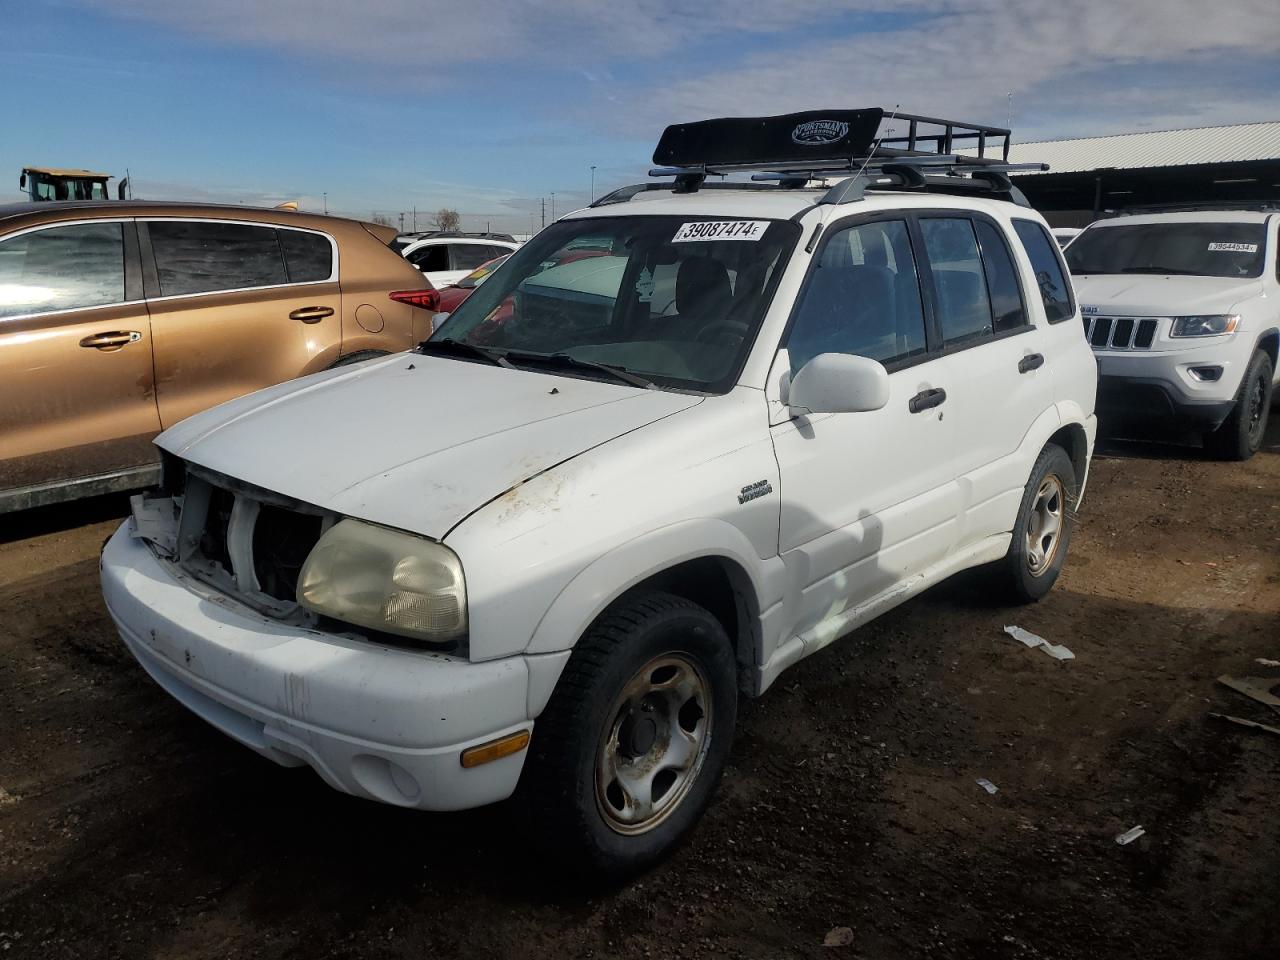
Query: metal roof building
(1089, 177)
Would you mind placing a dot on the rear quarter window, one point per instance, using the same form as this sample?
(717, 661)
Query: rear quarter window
(1046, 261)
(307, 256)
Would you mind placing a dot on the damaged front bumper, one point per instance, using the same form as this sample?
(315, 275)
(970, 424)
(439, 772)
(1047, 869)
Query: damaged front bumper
(374, 721)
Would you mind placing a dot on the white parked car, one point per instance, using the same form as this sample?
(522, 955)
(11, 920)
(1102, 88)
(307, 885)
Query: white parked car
(755, 420)
(1183, 312)
(447, 259)
(1064, 235)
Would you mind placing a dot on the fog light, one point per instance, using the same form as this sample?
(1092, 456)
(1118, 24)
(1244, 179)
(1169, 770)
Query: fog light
(1207, 374)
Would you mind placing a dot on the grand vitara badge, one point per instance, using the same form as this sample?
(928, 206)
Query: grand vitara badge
(818, 132)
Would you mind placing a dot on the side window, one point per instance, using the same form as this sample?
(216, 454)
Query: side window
(431, 258)
(308, 257)
(964, 307)
(62, 268)
(203, 256)
(1046, 260)
(1002, 278)
(468, 256)
(862, 298)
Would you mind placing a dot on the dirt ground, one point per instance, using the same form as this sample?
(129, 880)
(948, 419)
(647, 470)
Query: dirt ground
(128, 828)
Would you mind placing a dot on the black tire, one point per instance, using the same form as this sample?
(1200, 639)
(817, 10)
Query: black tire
(1025, 580)
(558, 787)
(358, 357)
(1241, 433)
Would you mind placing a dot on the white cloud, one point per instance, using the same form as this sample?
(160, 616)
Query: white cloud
(963, 61)
(961, 58)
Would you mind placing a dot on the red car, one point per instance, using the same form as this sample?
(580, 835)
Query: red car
(452, 295)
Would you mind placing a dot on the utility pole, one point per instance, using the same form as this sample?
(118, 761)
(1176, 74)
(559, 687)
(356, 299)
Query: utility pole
(593, 183)
(326, 204)
(544, 210)
(415, 218)
(1009, 122)
(553, 206)
(402, 221)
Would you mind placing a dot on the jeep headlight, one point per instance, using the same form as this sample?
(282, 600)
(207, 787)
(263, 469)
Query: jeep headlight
(386, 580)
(1209, 325)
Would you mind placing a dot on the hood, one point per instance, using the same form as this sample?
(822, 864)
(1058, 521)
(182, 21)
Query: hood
(1151, 295)
(412, 442)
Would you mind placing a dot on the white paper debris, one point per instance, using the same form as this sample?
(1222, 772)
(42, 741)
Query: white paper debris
(987, 785)
(1055, 650)
(1263, 661)
(1026, 636)
(1130, 835)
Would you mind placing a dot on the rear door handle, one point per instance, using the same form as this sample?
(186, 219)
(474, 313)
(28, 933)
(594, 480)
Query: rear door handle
(1032, 361)
(311, 314)
(113, 340)
(927, 399)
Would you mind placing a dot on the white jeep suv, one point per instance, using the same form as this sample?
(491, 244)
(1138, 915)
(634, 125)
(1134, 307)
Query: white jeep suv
(750, 421)
(1183, 312)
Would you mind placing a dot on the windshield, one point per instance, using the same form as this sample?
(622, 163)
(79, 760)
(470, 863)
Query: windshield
(673, 300)
(1198, 249)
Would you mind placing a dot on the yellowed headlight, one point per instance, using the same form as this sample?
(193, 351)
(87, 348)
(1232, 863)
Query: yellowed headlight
(386, 580)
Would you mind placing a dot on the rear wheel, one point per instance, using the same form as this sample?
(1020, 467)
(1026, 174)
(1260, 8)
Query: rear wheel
(1241, 433)
(358, 357)
(627, 753)
(1042, 531)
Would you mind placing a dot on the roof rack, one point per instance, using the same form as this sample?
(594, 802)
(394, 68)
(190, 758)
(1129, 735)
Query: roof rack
(792, 150)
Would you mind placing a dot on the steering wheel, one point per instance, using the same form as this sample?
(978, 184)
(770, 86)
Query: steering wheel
(731, 332)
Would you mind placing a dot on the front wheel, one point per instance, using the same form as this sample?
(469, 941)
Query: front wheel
(627, 753)
(1042, 531)
(1240, 435)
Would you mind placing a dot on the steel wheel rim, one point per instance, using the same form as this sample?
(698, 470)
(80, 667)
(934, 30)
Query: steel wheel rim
(1045, 524)
(666, 707)
(1256, 407)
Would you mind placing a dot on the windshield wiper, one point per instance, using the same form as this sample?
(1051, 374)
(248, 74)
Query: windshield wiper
(564, 361)
(1163, 270)
(448, 346)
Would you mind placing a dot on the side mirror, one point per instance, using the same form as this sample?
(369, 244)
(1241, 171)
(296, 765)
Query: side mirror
(22, 180)
(839, 383)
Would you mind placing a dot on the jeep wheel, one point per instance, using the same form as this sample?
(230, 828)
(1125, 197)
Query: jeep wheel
(1042, 531)
(629, 750)
(1240, 435)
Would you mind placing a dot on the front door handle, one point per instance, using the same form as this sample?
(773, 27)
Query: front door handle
(927, 399)
(311, 314)
(1032, 361)
(113, 340)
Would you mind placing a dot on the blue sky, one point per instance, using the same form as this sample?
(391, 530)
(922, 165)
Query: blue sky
(487, 107)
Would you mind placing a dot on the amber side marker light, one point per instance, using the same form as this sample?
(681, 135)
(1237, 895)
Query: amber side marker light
(495, 749)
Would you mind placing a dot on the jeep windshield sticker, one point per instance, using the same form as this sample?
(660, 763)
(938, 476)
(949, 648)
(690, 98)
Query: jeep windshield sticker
(721, 230)
(1233, 248)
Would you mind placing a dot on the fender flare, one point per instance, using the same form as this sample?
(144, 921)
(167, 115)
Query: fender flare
(608, 577)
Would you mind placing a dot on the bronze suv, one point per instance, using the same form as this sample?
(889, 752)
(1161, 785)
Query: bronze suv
(118, 319)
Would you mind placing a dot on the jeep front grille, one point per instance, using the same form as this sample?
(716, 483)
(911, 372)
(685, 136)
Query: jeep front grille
(1120, 333)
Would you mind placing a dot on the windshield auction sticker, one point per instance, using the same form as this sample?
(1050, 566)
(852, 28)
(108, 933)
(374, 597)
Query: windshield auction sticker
(1226, 247)
(721, 230)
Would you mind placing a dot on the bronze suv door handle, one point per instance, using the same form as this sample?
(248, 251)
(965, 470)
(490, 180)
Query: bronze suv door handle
(311, 314)
(113, 340)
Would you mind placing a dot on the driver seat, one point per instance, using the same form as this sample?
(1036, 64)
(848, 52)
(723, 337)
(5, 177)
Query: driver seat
(703, 292)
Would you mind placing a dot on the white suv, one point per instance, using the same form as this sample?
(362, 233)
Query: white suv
(445, 259)
(766, 417)
(1183, 312)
